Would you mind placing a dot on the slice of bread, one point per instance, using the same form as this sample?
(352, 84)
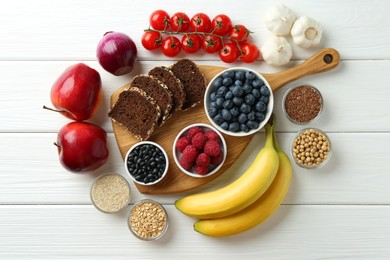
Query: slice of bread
(174, 85)
(193, 81)
(156, 90)
(137, 111)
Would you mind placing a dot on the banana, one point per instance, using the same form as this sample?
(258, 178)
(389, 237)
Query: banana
(256, 212)
(240, 193)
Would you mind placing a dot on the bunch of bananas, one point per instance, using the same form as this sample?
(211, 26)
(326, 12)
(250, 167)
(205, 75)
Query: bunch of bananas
(249, 200)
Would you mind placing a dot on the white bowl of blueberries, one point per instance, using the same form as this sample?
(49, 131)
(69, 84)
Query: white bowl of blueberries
(238, 101)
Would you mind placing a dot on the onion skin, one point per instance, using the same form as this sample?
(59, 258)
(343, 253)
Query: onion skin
(116, 53)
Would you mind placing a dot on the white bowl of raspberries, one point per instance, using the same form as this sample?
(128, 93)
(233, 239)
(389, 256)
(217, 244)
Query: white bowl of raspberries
(199, 150)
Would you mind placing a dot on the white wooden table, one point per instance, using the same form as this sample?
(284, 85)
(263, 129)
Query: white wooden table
(341, 211)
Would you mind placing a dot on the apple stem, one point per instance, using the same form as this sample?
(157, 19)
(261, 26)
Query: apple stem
(56, 145)
(52, 109)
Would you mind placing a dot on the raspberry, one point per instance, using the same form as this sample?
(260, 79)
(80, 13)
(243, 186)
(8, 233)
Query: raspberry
(190, 153)
(193, 131)
(182, 143)
(212, 148)
(211, 135)
(202, 170)
(203, 160)
(199, 140)
(216, 159)
(185, 164)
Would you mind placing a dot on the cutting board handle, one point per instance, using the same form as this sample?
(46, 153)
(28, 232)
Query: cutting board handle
(323, 60)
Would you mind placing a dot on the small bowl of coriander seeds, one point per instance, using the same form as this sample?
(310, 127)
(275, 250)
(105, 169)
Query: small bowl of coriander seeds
(110, 193)
(311, 148)
(148, 220)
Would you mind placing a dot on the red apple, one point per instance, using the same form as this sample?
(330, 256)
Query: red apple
(82, 146)
(77, 93)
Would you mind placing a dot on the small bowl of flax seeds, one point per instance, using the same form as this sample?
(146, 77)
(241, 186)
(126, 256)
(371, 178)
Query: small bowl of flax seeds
(311, 148)
(148, 220)
(302, 104)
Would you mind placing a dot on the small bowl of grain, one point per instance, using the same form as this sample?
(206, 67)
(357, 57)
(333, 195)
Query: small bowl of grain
(311, 148)
(148, 220)
(302, 104)
(110, 193)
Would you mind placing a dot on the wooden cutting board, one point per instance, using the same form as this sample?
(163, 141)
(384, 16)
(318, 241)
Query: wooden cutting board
(176, 181)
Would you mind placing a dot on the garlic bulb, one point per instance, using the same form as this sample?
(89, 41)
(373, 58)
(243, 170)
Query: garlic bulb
(306, 32)
(276, 51)
(279, 19)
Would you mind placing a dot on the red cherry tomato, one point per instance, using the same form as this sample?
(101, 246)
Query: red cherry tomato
(190, 43)
(171, 46)
(239, 33)
(200, 23)
(229, 52)
(179, 22)
(151, 40)
(159, 20)
(211, 44)
(221, 24)
(249, 52)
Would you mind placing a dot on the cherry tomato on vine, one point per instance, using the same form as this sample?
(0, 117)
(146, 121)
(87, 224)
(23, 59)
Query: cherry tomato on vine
(239, 33)
(171, 46)
(229, 52)
(179, 22)
(159, 20)
(191, 43)
(151, 40)
(221, 24)
(249, 52)
(200, 22)
(211, 43)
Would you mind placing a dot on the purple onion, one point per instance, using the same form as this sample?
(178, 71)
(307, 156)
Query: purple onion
(116, 53)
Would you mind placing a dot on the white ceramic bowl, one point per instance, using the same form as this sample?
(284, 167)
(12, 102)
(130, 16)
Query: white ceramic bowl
(177, 154)
(141, 144)
(269, 108)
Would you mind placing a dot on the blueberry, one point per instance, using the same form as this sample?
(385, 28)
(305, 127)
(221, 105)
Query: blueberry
(242, 118)
(265, 99)
(248, 82)
(219, 102)
(228, 104)
(218, 119)
(257, 82)
(259, 116)
(256, 93)
(244, 128)
(234, 127)
(226, 114)
(217, 83)
(213, 105)
(229, 95)
(264, 90)
(221, 92)
(225, 125)
(227, 81)
(244, 108)
(238, 83)
(247, 88)
(213, 111)
(240, 75)
(251, 115)
(250, 75)
(260, 106)
(238, 91)
(238, 101)
(228, 74)
(213, 96)
(252, 124)
(235, 111)
(250, 99)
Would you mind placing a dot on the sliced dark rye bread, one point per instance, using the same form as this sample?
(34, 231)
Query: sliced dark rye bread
(156, 90)
(192, 79)
(174, 85)
(136, 111)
